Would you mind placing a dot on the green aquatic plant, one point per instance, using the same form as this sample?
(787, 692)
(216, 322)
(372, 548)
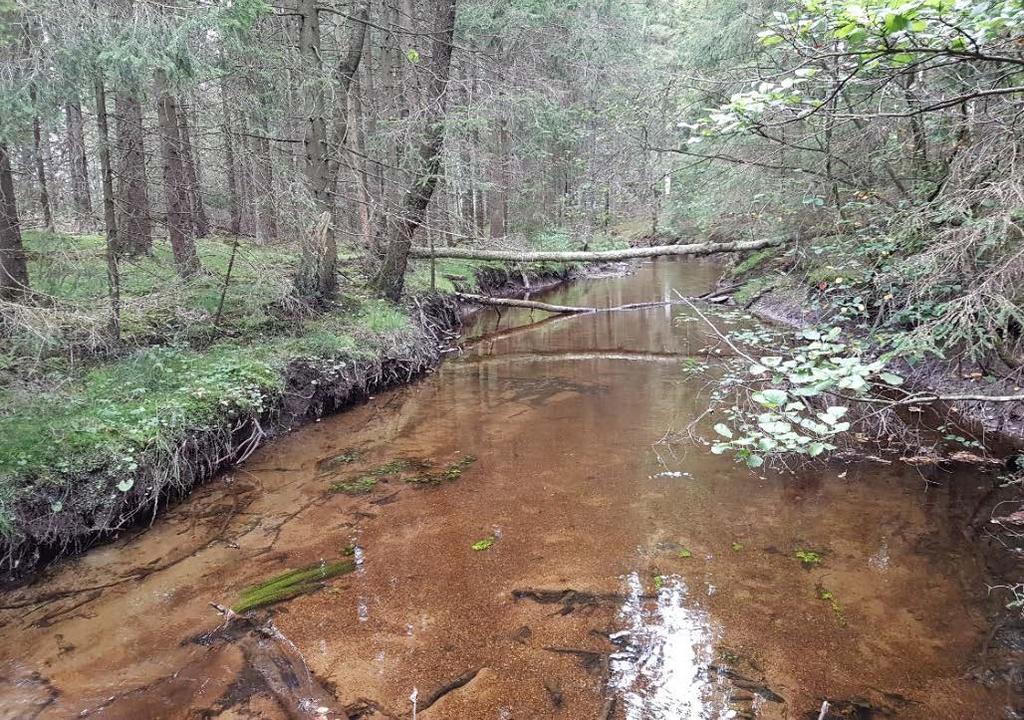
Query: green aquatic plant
(826, 595)
(290, 584)
(455, 470)
(358, 486)
(397, 467)
(329, 465)
(449, 474)
(484, 544)
(808, 558)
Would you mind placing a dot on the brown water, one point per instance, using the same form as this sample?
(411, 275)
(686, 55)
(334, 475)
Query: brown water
(588, 482)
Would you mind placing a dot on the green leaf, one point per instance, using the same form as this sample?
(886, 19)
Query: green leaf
(723, 430)
(891, 378)
(770, 398)
(815, 449)
(484, 544)
(754, 461)
(126, 484)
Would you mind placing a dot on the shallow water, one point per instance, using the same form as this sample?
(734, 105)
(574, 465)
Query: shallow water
(632, 575)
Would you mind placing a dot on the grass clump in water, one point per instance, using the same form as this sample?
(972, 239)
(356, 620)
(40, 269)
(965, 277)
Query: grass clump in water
(346, 457)
(398, 466)
(450, 474)
(808, 558)
(290, 584)
(359, 486)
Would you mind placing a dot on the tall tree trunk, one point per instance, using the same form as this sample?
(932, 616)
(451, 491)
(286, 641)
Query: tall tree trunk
(317, 276)
(359, 168)
(13, 265)
(390, 279)
(134, 228)
(197, 209)
(78, 166)
(230, 167)
(497, 200)
(109, 216)
(37, 156)
(263, 186)
(179, 223)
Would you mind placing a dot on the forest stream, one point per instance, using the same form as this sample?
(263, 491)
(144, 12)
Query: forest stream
(536, 532)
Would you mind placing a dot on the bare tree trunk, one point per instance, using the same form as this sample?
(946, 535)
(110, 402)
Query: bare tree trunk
(497, 195)
(359, 169)
(13, 265)
(37, 156)
(230, 167)
(134, 228)
(179, 224)
(109, 216)
(317, 276)
(78, 165)
(263, 187)
(390, 279)
(197, 209)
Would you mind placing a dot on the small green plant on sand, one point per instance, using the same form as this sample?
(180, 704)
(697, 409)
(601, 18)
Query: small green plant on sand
(485, 544)
(808, 558)
(685, 553)
(737, 547)
(290, 584)
(659, 581)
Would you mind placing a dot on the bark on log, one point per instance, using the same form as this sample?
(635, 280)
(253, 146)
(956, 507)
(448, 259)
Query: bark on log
(705, 248)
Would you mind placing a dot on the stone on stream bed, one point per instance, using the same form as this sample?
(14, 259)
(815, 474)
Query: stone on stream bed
(290, 584)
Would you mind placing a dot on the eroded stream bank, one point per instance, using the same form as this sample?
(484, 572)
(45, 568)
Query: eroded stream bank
(629, 574)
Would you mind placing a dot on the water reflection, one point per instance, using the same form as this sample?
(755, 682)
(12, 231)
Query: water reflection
(662, 672)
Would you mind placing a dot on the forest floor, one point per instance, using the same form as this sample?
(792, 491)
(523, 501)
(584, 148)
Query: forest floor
(98, 435)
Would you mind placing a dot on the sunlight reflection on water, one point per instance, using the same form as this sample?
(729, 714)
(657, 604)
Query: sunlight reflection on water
(663, 671)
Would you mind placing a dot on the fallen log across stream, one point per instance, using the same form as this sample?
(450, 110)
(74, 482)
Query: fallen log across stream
(704, 248)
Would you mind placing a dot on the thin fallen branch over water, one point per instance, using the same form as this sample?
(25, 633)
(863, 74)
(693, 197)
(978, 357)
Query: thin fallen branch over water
(705, 248)
(528, 304)
(562, 309)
